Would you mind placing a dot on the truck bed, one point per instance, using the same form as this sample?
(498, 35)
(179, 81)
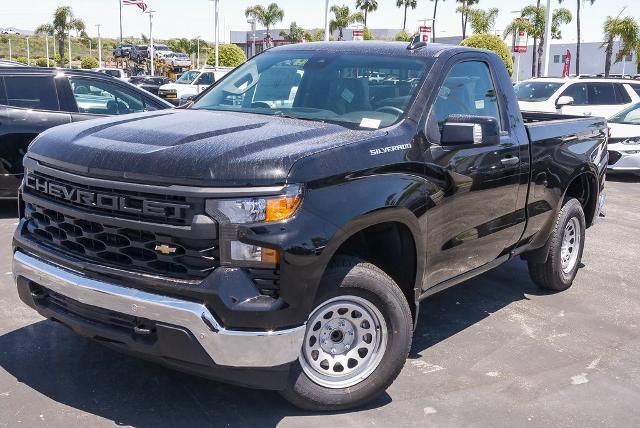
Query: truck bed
(546, 126)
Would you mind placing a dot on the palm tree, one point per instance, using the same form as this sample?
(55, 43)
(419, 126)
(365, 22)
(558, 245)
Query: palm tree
(578, 25)
(406, 4)
(483, 21)
(433, 23)
(294, 35)
(343, 18)
(63, 22)
(464, 10)
(266, 17)
(533, 22)
(367, 6)
(624, 29)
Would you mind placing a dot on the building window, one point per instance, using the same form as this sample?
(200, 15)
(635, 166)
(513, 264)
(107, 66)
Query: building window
(629, 58)
(556, 59)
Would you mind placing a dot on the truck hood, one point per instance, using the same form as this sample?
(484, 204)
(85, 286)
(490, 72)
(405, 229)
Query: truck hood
(189, 147)
(175, 86)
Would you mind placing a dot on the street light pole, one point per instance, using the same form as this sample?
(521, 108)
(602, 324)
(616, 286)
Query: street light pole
(547, 38)
(10, 51)
(151, 49)
(198, 56)
(46, 42)
(326, 20)
(69, 42)
(28, 53)
(99, 46)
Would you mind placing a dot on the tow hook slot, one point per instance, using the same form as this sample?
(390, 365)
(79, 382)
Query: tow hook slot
(143, 329)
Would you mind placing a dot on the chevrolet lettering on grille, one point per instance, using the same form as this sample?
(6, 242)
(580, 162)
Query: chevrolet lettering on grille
(124, 204)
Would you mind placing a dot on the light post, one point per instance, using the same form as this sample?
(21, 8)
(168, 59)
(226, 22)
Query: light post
(99, 45)
(10, 51)
(547, 38)
(46, 43)
(28, 53)
(217, 30)
(151, 49)
(69, 42)
(326, 20)
(253, 36)
(198, 55)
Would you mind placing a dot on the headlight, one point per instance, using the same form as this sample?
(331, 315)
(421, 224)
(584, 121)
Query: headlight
(257, 210)
(263, 209)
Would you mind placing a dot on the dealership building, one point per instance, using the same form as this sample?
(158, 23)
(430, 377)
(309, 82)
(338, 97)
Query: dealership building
(592, 53)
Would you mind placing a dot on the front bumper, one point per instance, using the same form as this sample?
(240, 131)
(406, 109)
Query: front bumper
(231, 348)
(623, 162)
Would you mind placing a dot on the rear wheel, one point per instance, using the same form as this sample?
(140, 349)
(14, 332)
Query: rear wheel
(357, 339)
(565, 250)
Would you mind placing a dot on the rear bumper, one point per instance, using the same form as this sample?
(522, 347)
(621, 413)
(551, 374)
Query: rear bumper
(226, 348)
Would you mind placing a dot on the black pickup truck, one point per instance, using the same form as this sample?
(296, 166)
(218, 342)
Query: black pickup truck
(281, 231)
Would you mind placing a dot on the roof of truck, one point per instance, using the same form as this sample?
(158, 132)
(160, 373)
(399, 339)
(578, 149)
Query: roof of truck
(371, 47)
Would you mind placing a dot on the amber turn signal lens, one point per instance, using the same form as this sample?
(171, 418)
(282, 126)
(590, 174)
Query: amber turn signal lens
(283, 207)
(269, 256)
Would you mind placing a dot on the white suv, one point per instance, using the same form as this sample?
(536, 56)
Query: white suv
(577, 97)
(191, 83)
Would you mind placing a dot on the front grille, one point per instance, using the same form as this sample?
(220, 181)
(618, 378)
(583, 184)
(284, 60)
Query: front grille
(131, 249)
(614, 157)
(136, 199)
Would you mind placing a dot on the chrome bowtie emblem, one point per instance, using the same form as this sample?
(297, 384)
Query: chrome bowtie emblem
(165, 249)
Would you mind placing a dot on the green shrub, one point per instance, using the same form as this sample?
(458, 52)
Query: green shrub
(403, 36)
(22, 59)
(492, 43)
(41, 62)
(230, 56)
(368, 35)
(89, 62)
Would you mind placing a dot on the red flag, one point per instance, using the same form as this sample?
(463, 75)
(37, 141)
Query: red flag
(566, 70)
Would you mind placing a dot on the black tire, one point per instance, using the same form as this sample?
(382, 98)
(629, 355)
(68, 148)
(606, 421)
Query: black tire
(550, 274)
(350, 276)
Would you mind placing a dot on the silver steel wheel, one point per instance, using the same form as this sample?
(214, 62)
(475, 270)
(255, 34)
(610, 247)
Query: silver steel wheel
(570, 245)
(345, 341)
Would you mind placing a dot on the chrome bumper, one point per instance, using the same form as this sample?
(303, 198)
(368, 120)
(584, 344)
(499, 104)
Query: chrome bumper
(225, 347)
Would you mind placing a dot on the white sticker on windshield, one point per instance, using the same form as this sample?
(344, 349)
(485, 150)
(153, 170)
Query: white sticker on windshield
(347, 95)
(370, 123)
(479, 104)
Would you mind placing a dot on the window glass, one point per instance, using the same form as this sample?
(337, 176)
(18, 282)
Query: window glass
(533, 91)
(578, 92)
(601, 94)
(468, 89)
(636, 88)
(358, 91)
(622, 96)
(205, 79)
(112, 73)
(34, 92)
(98, 97)
(628, 116)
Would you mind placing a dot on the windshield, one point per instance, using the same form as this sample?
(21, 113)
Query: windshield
(628, 116)
(359, 91)
(536, 91)
(188, 77)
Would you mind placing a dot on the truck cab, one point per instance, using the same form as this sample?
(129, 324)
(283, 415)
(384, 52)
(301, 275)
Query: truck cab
(190, 84)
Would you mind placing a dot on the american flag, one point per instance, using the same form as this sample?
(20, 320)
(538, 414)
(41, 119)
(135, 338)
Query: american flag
(140, 3)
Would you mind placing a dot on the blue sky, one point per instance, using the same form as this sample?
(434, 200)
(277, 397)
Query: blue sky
(190, 18)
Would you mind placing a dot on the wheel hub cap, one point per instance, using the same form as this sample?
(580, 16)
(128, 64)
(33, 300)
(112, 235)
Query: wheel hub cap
(344, 343)
(570, 245)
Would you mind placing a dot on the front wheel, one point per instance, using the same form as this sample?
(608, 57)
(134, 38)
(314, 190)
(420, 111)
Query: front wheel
(565, 250)
(357, 339)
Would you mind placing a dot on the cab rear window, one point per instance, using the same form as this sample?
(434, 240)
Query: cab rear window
(32, 92)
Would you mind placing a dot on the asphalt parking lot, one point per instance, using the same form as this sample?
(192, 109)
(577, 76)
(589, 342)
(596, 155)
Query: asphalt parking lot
(494, 351)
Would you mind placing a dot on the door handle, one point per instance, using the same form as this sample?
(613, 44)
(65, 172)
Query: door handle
(586, 113)
(513, 160)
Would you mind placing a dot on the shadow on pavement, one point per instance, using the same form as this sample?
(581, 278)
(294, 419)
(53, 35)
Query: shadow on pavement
(624, 178)
(8, 209)
(55, 362)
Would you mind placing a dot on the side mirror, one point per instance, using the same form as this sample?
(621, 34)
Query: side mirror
(463, 130)
(565, 101)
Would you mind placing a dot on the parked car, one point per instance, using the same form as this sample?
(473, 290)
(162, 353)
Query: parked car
(122, 50)
(190, 84)
(37, 99)
(9, 63)
(118, 73)
(178, 59)
(624, 144)
(578, 97)
(161, 51)
(150, 84)
(288, 248)
(139, 53)
(10, 32)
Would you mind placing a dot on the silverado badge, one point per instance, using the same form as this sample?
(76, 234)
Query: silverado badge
(165, 249)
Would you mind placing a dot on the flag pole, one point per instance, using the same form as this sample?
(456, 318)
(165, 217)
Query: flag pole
(120, 3)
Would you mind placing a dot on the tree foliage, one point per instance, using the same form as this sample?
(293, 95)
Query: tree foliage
(403, 36)
(367, 6)
(89, 62)
(230, 56)
(343, 18)
(267, 17)
(406, 4)
(482, 21)
(492, 43)
(624, 29)
(63, 22)
(294, 35)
